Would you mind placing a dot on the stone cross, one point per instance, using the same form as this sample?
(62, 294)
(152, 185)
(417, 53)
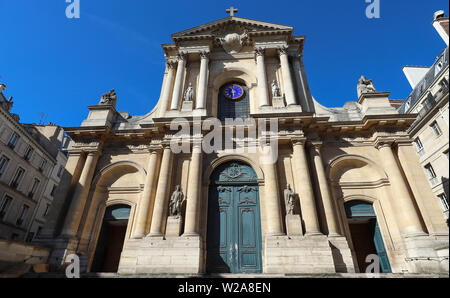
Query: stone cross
(232, 10)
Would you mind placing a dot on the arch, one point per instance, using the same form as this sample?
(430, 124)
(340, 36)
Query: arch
(233, 74)
(343, 163)
(231, 157)
(125, 166)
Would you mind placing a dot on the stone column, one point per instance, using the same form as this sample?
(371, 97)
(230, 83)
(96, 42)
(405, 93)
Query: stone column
(272, 201)
(78, 202)
(145, 201)
(327, 199)
(262, 78)
(287, 77)
(191, 227)
(165, 98)
(177, 92)
(405, 210)
(162, 192)
(203, 81)
(303, 186)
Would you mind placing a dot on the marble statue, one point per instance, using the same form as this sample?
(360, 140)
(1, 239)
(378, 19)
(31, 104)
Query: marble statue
(289, 200)
(175, 201)
(109, 98)
(365, 86)
(189, 94)
(275, 89)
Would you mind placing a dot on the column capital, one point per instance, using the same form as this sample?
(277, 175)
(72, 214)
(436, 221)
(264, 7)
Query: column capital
(181, 56)
(259, 51)
(383, 144)
(171, 64)
(155, 149)
(204, 54)
(282, 50)
(298, 141)
(316, 145)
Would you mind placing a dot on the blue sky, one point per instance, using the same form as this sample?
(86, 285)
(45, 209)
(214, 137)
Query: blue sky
(58, 66)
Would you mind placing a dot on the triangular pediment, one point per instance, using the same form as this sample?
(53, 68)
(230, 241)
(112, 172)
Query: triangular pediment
(229, 24)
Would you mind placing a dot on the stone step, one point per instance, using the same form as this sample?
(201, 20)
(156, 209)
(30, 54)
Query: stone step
(228, 275)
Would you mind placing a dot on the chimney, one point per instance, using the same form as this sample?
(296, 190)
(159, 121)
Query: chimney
(440, 23)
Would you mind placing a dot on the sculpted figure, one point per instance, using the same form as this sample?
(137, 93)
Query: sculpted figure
(189, 94)
(275, 89)
(289, 200)
(108, 98)
(365, 86)
(175, 201)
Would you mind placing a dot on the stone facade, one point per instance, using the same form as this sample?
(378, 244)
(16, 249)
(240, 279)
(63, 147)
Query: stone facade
(330, 156)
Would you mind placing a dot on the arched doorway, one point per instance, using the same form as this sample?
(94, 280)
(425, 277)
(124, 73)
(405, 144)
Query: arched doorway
(234, 222)
(233, 101)
(366, 235)
(111, 239)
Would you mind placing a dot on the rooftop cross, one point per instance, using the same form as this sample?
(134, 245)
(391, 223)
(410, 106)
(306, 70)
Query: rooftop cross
(232, 10)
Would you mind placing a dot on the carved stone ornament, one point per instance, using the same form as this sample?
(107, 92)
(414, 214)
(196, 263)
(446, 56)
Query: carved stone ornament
(232, 37)
(109, 98)
(365, 86)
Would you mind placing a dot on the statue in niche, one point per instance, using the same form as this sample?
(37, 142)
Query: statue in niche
(175, 201)
(109, 98)
(275, 89)
(189, 94)
(365, 86)
(289, 200)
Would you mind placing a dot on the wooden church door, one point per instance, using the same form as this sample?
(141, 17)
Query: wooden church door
(234, 225)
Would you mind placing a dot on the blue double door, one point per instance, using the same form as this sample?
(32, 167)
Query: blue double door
(234, 225)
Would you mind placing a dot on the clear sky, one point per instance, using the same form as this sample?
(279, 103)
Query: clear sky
(56, 67)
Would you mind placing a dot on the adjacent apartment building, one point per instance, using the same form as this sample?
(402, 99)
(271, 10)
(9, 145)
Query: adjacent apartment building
(32, 160)
(430, 131)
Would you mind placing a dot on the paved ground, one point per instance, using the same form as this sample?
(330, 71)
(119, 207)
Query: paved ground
(335, 275)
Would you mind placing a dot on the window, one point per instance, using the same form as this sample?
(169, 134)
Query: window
(47, 208)
(34, 188)
(22, 215)
(30, 237)
(60, 170)
(5, 206)
(436, 128)
(3, 164)
(17, 178)
(407, 105)
(430, 171)
(52, 193)
(14, 236)
(13, 140)
(38, 231)
(42, 165)
(28, 153)
(419, 144)
(446, 155)
(444, 201)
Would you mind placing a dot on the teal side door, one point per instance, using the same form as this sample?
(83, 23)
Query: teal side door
(381, 250)
(234, 224)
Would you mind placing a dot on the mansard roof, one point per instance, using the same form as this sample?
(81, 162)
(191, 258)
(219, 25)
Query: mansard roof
(249, 24)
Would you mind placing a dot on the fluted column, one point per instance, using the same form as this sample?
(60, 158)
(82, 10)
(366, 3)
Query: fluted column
(272, 200)
(78, 203)
(191, 227)
(405, 210)
(287, 77)
(176, 96)
(165, 98)
(162, 192)
(203, 81)
(145, 201)
(303, 186)
(262, 78)
(329, 206)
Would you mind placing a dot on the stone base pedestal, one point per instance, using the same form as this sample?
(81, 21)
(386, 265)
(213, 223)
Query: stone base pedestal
(187, 106)
(174, 226)
(294, 225)
(298, 254)
(278, 102)
(427, 254)
(155, 255)
(342, 255)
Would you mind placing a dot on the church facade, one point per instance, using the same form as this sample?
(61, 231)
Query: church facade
(336, 190)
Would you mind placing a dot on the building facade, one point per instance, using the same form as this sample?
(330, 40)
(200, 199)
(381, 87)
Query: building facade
(429, 99)
(302, 189)
(31, 164)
